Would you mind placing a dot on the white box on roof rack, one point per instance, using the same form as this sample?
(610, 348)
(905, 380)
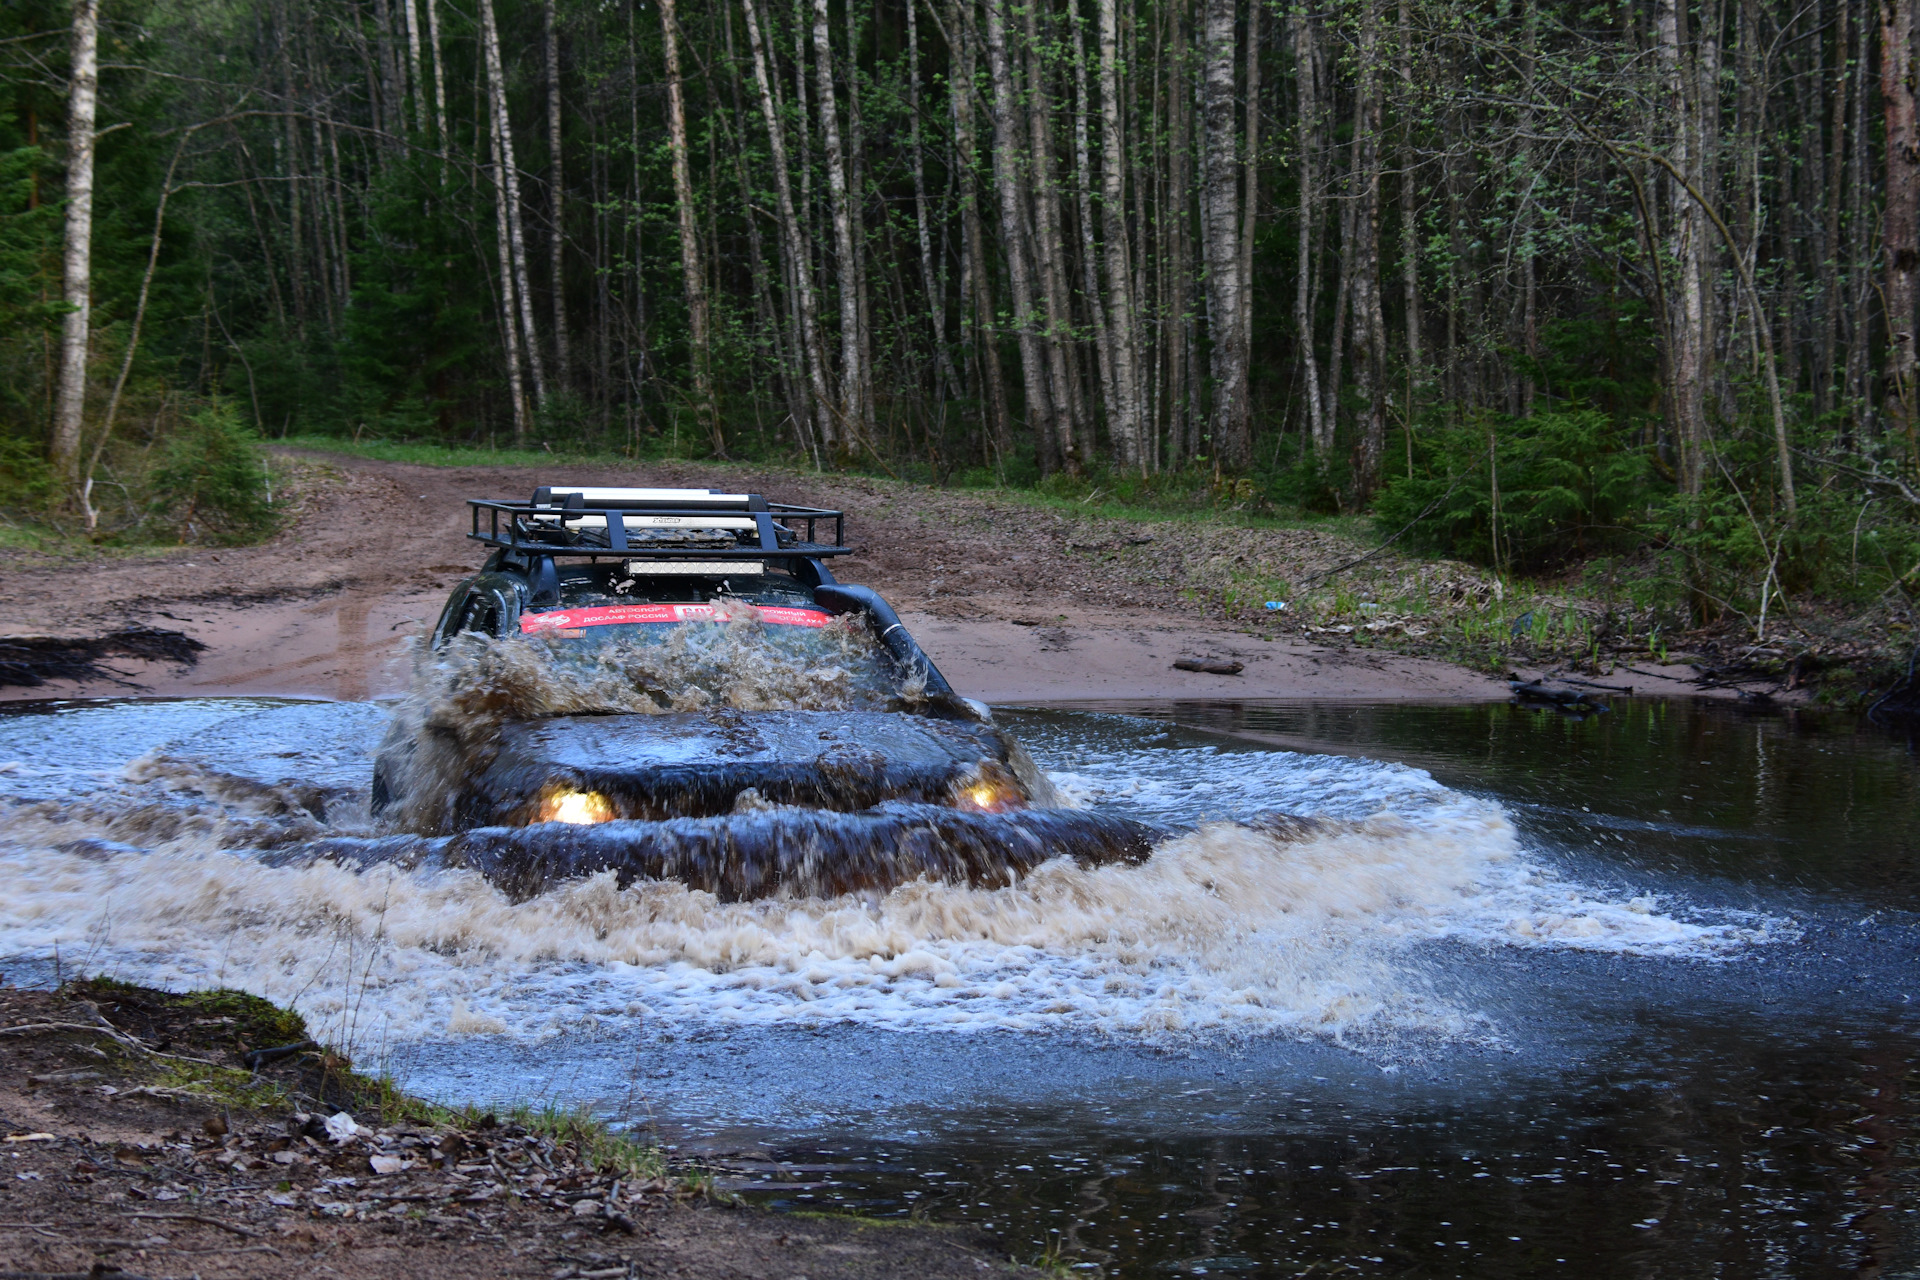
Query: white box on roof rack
(594, 497)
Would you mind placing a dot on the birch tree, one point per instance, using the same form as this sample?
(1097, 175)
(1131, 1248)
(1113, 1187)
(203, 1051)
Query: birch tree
(853, 373)
(83, 91)
(1221, 235)
(1008, 180)
(799, 266)
(507, 188)
(1902, 227)
(1125, 412)
(556, 193)
(693, 273)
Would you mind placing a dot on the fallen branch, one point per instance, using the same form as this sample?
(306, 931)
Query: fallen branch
(1209, 666)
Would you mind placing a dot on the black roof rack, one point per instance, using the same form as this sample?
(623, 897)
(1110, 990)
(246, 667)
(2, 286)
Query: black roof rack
(656, 524)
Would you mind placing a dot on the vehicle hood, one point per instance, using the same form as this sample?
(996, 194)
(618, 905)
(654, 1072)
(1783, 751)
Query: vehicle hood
(710, 763)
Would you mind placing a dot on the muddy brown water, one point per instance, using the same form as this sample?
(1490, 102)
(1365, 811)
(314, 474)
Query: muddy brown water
(1630, 995)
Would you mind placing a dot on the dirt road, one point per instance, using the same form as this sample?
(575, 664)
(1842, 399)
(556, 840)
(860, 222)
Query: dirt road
(1015, 603)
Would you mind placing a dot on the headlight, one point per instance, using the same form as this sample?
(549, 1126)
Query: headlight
(993, 789)
(580, 807)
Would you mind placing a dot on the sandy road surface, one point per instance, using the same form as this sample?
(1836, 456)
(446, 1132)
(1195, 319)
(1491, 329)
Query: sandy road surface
(1007, 605)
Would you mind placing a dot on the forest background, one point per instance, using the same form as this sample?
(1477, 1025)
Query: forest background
(1621, 288)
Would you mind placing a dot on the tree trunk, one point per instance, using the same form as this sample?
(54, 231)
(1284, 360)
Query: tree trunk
(1307, 90)
(1125, 450)
(77, 265)
(1687, 363)
(773, 336)
(1182, 396)
(856, 154)
(1220, 168)
(973, 238)
(1859, 250)
(1901, 229)
(1832, 201)
(1007, 180)
(931, 280)
(509, 182)
(290, 164)
(1249, 213)
(692, 271)
(343, 266)
(1124, 414)
(439, 86)
(1050, 254)
(1343, 296)
(510, 314)
(852, 356)
(392, 72)
(556, 187)
(1369, 325)
(1409, 219)
(411, 21)
(794, 239)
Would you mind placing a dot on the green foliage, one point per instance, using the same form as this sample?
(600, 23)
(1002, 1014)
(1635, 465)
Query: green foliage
(415, 336)
(26, 482)
(1570, 483)
(29, 307)
(211, 483)
(1313, 482)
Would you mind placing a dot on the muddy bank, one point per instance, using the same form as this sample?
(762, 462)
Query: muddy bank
(1009, 599)
(141, 1143)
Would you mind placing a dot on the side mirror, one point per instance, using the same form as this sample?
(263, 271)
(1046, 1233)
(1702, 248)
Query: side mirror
(543, 581)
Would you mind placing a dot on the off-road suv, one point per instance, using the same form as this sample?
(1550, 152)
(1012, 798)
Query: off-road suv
(576, 569)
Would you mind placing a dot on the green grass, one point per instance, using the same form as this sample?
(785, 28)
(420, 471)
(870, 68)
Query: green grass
(44, 537)
(597, 1141)
(33, 536)
(424, 454)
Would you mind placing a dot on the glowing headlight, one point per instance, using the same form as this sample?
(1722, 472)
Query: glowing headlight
(991, 790)
(576, 807)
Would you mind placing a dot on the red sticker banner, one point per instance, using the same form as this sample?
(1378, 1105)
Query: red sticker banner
(628, 614)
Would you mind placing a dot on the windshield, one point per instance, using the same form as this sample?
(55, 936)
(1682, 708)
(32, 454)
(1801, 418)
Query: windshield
(618, 641)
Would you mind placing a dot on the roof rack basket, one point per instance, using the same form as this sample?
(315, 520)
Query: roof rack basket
(662, 524)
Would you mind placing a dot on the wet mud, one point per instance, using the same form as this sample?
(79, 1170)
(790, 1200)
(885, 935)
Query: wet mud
(30, 662)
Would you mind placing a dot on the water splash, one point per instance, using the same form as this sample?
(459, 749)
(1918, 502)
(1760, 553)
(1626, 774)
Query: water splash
(188, 869)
